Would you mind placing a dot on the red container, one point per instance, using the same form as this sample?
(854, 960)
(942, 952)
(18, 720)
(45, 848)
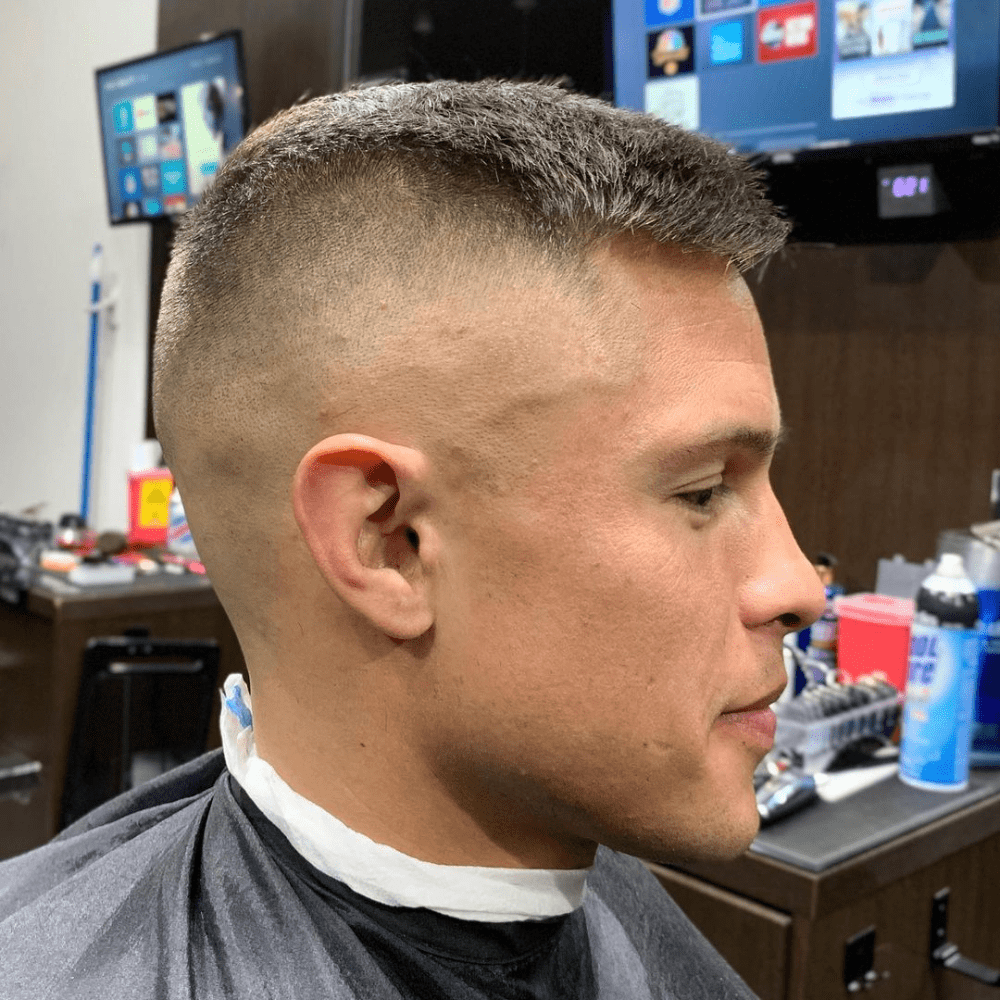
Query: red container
(149, 506)
(873, 636)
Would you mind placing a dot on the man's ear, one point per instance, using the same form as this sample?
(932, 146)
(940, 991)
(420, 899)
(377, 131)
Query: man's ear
(354, 498)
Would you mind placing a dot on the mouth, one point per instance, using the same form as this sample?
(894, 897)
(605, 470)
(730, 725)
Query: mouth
(765, 701)
(755, 722)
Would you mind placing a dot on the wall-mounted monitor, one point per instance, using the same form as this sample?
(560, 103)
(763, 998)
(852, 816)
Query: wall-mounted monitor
(828, 95)
(167, 121)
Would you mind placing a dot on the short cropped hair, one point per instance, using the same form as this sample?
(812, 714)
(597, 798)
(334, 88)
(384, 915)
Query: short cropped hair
(361, 180)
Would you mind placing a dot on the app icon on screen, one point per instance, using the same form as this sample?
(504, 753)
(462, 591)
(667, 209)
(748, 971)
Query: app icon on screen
(172, 176)
(674, 99)
(151, 206)
(166, 107)
(725, 43)
(671, 51)
(170, 141)
(786, 32)
(148, 148)
(130, 183)
(668, 11)
(132, 210)
(123, 117)
(174, 203)
(126, 151)
(144, 109)
(151, 178)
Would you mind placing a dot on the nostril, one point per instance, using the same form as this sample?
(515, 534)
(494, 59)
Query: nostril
(791, 620)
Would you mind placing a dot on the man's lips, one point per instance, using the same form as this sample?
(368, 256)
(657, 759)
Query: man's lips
(755, 721)
(761, 703)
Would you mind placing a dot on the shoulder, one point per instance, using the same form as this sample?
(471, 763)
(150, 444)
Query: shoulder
(629, 912)
(67, 907)
(167, 893)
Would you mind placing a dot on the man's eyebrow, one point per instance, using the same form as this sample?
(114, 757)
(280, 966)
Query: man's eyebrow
(757, 441)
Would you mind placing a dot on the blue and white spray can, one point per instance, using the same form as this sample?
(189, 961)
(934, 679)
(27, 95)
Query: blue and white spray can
(945, 641)
(982, 563)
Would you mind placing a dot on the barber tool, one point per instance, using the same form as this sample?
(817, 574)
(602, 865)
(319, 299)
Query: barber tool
(827, 717)
(857, 766)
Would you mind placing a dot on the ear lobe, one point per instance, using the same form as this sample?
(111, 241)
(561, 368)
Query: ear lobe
(352, 497)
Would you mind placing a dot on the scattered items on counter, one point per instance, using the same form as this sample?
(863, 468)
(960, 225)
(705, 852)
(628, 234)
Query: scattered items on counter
(857, 766)
(21, 540)
(57, 560)
(73, 534)
(819, 641)
(172, 562)
(898, 578)
(100, 574)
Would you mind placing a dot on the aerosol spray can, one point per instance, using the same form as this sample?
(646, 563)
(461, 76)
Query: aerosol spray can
(941, 685)
(982, 562)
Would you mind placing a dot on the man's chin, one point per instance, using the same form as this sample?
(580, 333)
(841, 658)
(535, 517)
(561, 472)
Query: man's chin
(717, 839)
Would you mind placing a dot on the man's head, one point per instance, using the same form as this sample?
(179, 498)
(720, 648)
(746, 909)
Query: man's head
(472, 415)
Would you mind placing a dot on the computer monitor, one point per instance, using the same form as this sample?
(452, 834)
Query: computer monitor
(167, 122)
(869, 115)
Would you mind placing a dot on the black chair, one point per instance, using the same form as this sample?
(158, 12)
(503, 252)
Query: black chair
(144, 706)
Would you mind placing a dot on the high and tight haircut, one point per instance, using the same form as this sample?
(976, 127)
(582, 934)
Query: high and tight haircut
(365, 177)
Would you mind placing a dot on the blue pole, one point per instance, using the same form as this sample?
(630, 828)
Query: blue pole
(88, 424)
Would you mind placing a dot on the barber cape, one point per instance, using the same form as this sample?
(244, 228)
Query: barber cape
(186, 888)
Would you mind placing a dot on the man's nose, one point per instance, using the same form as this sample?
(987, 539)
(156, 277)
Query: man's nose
(786, 588)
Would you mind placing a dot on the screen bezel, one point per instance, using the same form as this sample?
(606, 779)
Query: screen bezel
(236, 36)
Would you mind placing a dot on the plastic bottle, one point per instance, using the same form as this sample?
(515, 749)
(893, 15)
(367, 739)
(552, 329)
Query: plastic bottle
(820, 662)
(941, 685)
(149, 488)
(179, 540)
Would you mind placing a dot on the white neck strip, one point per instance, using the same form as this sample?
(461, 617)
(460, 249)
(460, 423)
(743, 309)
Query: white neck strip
(376, 870)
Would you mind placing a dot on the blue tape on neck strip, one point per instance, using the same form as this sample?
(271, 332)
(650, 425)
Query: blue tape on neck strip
(236, 705)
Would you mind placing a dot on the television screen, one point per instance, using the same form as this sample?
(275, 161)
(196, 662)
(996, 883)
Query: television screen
(787, 75)
(167, 122)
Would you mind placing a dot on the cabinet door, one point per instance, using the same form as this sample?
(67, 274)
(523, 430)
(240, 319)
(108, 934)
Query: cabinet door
(752, 938)
(25, 683)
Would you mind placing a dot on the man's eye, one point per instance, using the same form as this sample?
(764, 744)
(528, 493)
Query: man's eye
(703, 499)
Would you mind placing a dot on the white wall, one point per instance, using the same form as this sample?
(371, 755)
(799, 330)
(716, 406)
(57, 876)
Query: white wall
(53, 210)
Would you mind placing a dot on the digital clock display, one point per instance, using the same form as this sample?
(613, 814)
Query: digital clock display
(908, 191)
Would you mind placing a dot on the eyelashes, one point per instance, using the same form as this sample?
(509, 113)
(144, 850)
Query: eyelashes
(705, 499)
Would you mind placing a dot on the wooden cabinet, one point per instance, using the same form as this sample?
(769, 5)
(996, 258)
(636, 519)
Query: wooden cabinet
(784, 928)
(41, 646)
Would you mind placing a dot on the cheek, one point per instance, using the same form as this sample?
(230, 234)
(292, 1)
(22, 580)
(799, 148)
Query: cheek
(622, 632)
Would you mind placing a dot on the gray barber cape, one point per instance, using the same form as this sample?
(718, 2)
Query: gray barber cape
(182, 888)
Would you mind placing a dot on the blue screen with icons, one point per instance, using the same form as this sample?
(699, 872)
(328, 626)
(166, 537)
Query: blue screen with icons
(167, 123)
(770, 75)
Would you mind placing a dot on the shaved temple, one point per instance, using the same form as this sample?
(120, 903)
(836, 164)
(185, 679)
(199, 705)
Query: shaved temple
(338, 271)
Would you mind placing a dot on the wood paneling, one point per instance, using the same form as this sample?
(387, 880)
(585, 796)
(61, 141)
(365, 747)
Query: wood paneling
(891, 390)
(292, 48)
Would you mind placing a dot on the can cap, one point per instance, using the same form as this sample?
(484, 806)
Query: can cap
(952, 565)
